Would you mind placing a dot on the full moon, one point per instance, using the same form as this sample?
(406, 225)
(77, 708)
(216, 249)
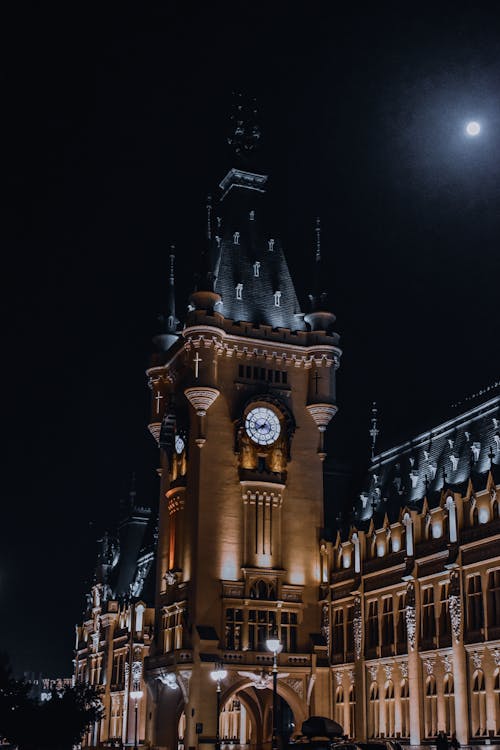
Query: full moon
(473, 128)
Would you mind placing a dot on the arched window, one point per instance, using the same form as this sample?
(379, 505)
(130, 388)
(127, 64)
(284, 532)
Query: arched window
(374, 711)
(449, 704)
(496, 688)
(478, 705)
(405, 707)
(389, 709)
(352, 712)
(430, 707)
(339, 705)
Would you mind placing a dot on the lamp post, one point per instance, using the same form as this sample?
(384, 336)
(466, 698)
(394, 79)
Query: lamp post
(273, 643)
(136, 695)
(218, 674)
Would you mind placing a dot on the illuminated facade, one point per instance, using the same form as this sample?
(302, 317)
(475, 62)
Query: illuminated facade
(240, 399)
(412, 609)
(115, 636)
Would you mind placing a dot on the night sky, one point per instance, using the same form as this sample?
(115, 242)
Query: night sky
(114, 131)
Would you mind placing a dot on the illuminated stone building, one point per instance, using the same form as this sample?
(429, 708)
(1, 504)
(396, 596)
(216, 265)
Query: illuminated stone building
(411, 609)
(115, 636)
(241, 397)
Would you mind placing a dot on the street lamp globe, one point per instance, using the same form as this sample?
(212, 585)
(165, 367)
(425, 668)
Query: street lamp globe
(273, 643)
(218, 674)
(136, 695)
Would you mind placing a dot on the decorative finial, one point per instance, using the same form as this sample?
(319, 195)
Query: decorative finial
(318, 240)
(374, 431)
(245, 132)
(172, 261)
(209, 217)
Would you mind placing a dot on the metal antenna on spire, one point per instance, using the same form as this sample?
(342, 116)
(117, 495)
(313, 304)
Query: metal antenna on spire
(172, 261)
(374, 431)
(209, 217)
(318, 240)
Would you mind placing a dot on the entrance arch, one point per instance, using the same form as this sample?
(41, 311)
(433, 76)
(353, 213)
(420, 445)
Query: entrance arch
(257, 712)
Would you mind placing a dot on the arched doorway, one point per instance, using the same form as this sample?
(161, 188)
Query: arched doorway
(246, 717)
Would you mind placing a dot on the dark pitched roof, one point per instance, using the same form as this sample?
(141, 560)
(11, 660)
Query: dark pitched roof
(248, 254)
(445, 456)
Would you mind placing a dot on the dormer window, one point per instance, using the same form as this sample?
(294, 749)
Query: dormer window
(252, 215)
(271, 245)
(476, 450)
(256, 269)
(236, 238)
(414, 478)
(277, 299)
(239, 291)
(454, 461)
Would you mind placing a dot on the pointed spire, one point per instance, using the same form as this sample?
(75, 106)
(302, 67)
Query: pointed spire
(169, 334)
(171, 319)
(374, 431)
(320, 318)
(318, 240)
(209, 217)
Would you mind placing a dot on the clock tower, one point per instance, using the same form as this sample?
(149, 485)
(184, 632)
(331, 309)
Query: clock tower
(241, 397)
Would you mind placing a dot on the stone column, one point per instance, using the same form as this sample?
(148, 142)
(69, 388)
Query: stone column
(459, 660)
(414, 666)
(360, 730)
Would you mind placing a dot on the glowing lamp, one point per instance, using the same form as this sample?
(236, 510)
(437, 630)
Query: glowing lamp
(218, 674)
(473, 128)
(136, 695)
(273, 643)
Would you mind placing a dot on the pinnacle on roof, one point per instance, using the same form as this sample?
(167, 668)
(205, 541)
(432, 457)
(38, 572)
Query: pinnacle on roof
(320, 318)
(169, 334)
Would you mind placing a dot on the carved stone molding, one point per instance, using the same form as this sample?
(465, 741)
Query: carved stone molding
(411, 617)
(403, 668)
(373, 670)
(388, 671)
(429, 666)
(297, 686)
(322, 414)
(155, 429)
(496, 656)
(201, 398)
(357, 626)
(339, 676)
(183, 678)
(447, 664)
(477, 659)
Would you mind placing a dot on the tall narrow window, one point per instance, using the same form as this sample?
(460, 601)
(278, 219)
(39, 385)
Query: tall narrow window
(233, 628)
(352, 712)
(444, 616)
(478, 704)
(339, 706)
(350, 633)
(449, 704)
(338, 633)
(494, 599)
(374, 711)
(474, 603)
(288, 631)
(428, 617)
(401, 634)
(390, 729)
(387, 626)
(405, 708)
(372, 636)
(239, 291)
(430, 707)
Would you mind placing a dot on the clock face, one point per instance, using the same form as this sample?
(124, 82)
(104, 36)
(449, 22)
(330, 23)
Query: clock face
(179, 444)
(262, 425)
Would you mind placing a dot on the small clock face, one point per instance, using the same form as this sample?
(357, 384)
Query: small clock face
(179, 444)
(262, 425)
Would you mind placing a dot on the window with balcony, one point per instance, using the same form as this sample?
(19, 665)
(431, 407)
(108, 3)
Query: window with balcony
(261, 623)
